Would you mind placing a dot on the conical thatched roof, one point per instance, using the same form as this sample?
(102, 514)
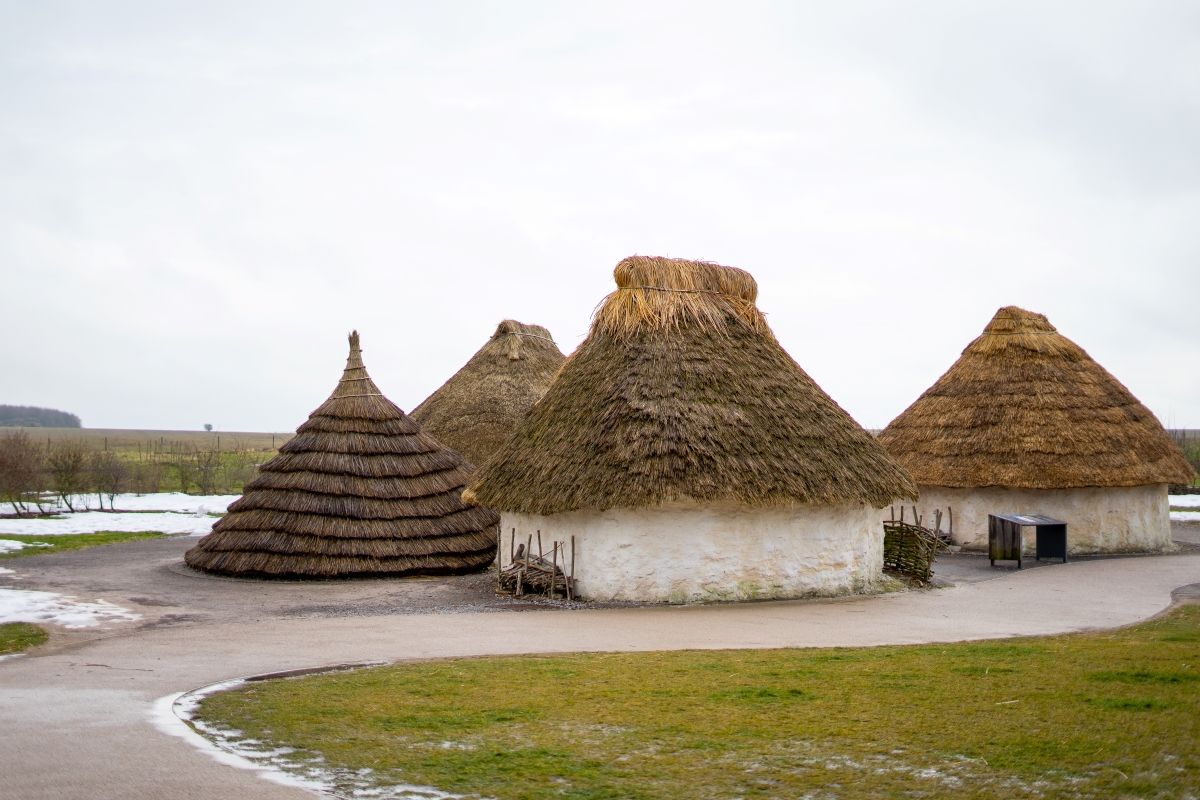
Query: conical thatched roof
(1025, 407)
(482, 404)
(360, 489)
(680, 391)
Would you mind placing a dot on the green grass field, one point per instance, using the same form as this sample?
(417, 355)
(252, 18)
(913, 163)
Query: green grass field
(18, 636)
(1113, 714)
(57, 544)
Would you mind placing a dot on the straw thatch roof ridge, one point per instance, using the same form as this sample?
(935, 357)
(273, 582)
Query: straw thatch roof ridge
(679, 392)
(481, 404)
(654, 292)
(1026, 407)
(359, 489)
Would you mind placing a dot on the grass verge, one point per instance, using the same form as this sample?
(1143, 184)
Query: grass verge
(55, 544)
(18, 636)
(1099, 715)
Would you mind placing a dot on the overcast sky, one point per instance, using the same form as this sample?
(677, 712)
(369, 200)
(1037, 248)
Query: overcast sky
(198, 201)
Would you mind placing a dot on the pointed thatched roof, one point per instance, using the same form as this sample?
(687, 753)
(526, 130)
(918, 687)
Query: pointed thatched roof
(360, 489)
(680, 391)
(482, 404)
(1025, 407)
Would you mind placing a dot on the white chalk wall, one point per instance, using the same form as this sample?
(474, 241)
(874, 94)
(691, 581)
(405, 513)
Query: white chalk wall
(685, 552)
(1134, 519)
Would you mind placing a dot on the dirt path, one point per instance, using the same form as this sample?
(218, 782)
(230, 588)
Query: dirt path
(75, 716)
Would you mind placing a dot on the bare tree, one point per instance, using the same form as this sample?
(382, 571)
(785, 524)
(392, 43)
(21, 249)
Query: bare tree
(147, 477)
(185, 466)
(21, 472)
(207, 464)
(1189, 445)
(68, 460)
(110, 476)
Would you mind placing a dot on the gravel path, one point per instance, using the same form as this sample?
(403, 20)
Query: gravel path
(75, 715)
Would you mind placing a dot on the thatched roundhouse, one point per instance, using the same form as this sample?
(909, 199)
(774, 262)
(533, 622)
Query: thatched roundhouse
(482, 404)
(359, 490)
(1025, 422)
(690, 457)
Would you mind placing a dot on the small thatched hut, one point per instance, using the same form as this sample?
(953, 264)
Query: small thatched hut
(360, 489)
(1025, 422)
(690, 457)
(482, 404)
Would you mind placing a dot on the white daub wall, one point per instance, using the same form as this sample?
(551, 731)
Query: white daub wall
(685, 552)
(1126, 519)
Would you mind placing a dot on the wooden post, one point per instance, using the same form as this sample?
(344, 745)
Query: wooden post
(553, 569)
(525, 569)
(539, 545)
(512, 544)
(571, 583)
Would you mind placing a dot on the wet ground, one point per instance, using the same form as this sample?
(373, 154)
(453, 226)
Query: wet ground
(954, 568)
(79, 716)
(149, 577)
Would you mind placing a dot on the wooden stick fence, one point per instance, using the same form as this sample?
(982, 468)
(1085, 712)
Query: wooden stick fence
(538, 575)
(910, 548)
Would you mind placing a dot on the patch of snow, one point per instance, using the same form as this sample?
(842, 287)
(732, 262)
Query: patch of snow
(4, 571)
(1185, 516)
(176, 513)
(21, 605)
(9, 545)
(175, 715)
(1184, 500)
(159, 501)
(174, 501)
(96, 521)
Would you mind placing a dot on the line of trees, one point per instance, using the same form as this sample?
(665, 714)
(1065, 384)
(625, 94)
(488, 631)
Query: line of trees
(70, 471)
(34, 417)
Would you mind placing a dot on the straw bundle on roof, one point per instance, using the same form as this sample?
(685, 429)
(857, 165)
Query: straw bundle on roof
(1025, 407)
(360, 489)
(680, 392)
(481, 405)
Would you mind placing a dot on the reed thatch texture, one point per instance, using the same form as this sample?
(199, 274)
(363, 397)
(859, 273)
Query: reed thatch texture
(482, 404)
(680, 392)
(1025, 407)
(360, 489)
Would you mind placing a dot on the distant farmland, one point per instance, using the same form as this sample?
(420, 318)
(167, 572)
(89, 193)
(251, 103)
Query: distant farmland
(145, 461)
(121, 439)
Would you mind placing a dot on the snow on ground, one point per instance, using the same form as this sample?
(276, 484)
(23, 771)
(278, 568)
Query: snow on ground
(8, 545)
(21, 605)
(175, 714)
(1188, 501)
(160, 501)
(174, 501)
(95, 521)
(177, 513)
